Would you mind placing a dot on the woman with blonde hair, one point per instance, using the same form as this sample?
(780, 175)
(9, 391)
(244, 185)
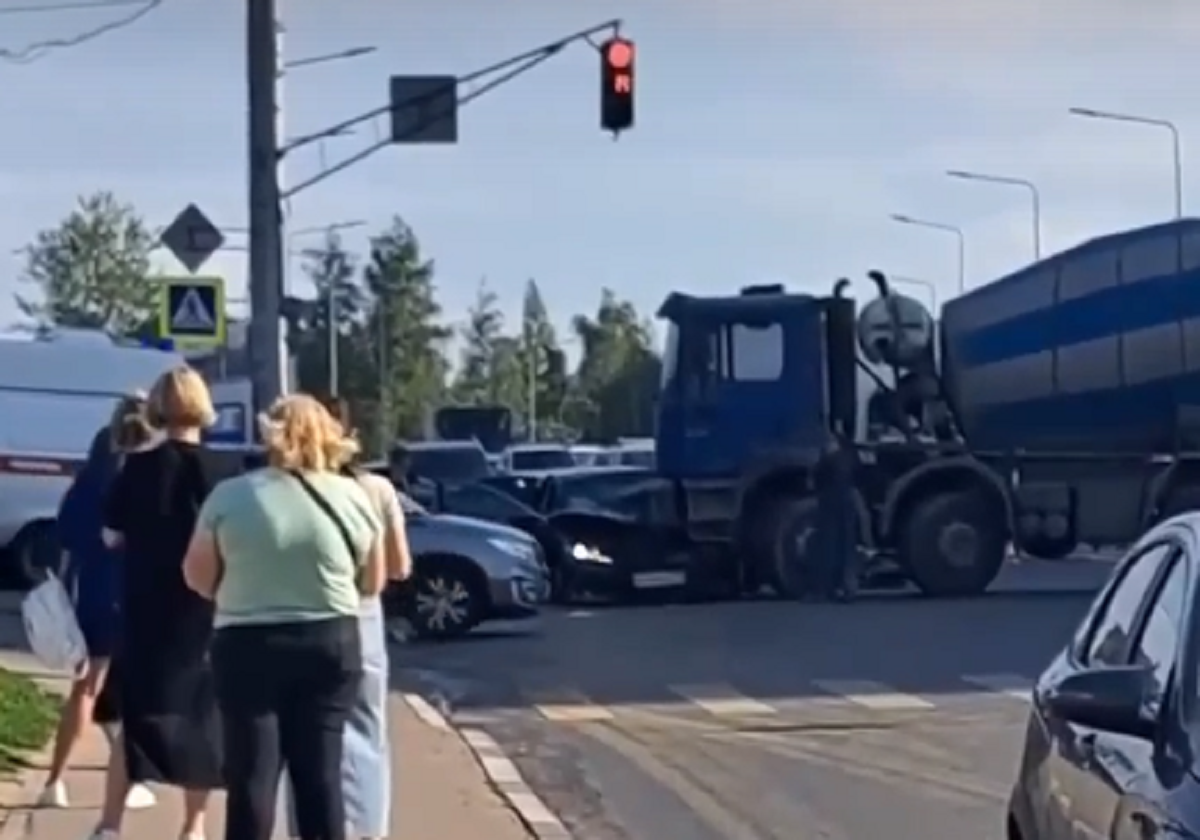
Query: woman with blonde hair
(366, 751)
(93, 573)
(287, 553)
(169, 730)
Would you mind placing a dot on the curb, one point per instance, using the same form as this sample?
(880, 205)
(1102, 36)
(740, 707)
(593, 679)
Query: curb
(502, 774)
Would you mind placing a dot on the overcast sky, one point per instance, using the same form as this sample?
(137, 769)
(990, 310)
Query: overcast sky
(774, 137)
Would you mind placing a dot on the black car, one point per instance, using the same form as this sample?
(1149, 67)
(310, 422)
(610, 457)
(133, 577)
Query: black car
(1112, 748)
(633, 514)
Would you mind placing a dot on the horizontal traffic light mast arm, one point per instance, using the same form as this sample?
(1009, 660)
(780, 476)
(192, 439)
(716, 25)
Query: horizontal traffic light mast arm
(509, 69)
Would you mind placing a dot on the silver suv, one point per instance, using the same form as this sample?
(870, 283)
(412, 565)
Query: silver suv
(466, 572)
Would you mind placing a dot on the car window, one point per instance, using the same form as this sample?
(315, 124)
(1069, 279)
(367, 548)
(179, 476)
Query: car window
(449, 463)
(483, 502)
(1111, 632)
(1159, 639)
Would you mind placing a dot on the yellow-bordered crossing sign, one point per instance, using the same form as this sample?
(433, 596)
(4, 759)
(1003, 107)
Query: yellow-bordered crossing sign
(192, 312)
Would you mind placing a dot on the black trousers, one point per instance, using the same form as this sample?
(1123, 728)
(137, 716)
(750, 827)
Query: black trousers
(285, 692)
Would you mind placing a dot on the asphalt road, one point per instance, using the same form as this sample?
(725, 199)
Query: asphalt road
(892, 717)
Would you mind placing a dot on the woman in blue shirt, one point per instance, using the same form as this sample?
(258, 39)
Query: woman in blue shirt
(93, 575)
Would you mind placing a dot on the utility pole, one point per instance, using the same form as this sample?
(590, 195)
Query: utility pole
(266, 233)
(331, 312)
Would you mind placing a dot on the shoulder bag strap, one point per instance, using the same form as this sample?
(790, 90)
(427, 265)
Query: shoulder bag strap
(328, 510)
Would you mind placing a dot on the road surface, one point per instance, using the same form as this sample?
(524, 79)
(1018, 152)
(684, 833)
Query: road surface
(891, 717)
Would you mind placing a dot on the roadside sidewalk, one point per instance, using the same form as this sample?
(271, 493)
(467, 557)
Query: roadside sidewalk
(440, 789)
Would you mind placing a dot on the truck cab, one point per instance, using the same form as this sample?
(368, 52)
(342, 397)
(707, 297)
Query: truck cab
(743, 377)
(757, 386)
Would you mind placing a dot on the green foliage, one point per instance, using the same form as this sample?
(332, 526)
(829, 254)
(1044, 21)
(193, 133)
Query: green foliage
(27, 718)
(410, 340)
(91, 271)
(390, 335)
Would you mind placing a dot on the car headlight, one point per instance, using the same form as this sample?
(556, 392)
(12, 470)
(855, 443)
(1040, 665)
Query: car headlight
(513, 548)
(588, 554)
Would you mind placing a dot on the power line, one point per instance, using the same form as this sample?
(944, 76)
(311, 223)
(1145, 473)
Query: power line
(39, 49)
(77, 6)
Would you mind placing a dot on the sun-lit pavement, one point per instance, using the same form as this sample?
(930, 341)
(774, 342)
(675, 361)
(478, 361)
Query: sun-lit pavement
(893, 717)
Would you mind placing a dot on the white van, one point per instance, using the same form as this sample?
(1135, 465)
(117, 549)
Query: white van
(56, 391)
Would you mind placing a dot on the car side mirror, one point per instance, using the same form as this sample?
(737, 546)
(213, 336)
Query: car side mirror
(1110, 699)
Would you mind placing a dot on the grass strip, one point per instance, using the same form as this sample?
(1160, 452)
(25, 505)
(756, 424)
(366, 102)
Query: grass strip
(28, 715)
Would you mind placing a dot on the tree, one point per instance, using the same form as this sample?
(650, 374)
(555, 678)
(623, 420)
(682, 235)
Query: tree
(407, 337)
(91, 271)
(618, 372)
(340, 296)
(484, 327)
(542, 360)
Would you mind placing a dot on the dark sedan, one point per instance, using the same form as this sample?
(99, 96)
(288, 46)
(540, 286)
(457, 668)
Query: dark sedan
(1112, 749)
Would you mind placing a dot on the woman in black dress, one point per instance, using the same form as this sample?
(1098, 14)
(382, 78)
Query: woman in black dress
(169, 725)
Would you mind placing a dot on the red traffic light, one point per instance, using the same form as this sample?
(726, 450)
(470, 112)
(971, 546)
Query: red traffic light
(619, 54)
(616, 92)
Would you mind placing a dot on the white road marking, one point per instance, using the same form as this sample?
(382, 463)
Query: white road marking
(873, 695)
(568, 706)
(722, 700)
(425, 712)
(1010, 685)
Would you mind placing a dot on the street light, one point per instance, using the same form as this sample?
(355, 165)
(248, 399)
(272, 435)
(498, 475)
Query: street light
(957, 231)
(1176, 144)
(1034, 195)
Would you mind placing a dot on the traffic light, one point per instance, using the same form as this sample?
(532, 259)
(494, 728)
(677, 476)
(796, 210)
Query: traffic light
(616, 84)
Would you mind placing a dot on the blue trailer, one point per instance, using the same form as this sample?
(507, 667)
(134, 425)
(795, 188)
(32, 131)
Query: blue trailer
(1096, 348)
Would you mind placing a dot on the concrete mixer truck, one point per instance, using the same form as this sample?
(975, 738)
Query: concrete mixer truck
(1055, 406)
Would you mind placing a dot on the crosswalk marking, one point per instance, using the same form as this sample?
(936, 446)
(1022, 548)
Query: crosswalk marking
(872, 695)
(722, 700)
(567, 706)
(1010, 685)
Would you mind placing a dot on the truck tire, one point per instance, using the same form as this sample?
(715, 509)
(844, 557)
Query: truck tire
(953, 543)
(794, 523)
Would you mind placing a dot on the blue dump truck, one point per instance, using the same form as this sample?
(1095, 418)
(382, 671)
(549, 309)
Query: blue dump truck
(1058, 405)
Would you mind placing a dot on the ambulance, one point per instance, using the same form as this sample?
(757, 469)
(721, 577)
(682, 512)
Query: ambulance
(57, 388)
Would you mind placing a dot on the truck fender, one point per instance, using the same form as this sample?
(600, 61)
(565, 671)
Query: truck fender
(773, 485)
(961, 468)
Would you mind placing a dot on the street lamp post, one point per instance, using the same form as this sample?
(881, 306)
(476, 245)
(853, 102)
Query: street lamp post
(954, 229)
(1176, 143)
(1034, 195)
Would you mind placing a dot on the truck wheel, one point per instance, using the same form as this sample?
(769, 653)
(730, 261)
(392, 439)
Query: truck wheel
(954, 543)
(795, 525)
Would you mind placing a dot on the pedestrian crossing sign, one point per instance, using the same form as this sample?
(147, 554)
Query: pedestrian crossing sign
(192, 312)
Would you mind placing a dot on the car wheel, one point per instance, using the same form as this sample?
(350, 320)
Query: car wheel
(446, 601)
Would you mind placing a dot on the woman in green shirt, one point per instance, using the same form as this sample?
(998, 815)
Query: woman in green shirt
(287, 553)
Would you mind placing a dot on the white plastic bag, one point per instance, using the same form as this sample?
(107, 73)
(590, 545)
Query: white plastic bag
(52, 629)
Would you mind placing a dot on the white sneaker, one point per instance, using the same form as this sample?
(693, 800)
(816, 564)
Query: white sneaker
(104, 834)
(139, 798)
(54, 795)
